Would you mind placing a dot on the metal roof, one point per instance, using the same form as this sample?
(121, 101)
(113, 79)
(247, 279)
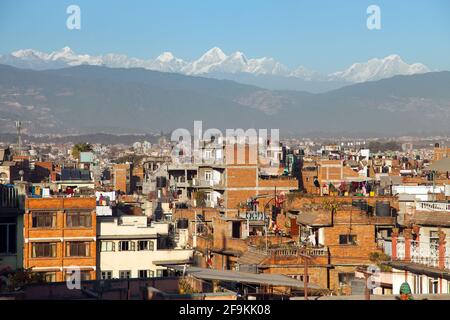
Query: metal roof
(276, 280)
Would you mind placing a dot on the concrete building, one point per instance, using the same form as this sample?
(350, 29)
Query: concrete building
(130, 247)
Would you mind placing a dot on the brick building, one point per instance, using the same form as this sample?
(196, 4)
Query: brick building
(122, 177)
(60, 233)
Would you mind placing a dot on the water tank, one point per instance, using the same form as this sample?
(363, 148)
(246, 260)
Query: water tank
(383, 209)
(182, 223)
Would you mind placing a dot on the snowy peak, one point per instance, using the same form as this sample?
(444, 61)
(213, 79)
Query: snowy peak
(213, 55)
(376, 69)
(165, 57)
(215, 62)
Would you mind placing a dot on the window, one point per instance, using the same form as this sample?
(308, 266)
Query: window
(106, 275)
(236, 230)
(145, 245)
(47, 276)
(433, 286)
(347, 239)
(106, 246)
(208, 175)
(84, 275)
(77, 249)
(78, 220)
(208, 154)
(159, 273)
(417, 284)
(300, 277)
(126, 246)
(125, 274)
(43, 219)
(346, 278)
(43, 250)
(434, 237)
(146, 274)
(8, 236)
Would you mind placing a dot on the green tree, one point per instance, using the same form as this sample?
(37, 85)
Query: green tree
(80, 147)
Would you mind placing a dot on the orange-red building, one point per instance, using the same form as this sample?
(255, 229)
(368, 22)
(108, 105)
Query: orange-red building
(60, 233)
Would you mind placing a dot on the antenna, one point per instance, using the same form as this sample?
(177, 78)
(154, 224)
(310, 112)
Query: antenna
(19, 137)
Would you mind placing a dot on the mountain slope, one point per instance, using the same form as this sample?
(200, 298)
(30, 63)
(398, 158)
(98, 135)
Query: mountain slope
(95, 99)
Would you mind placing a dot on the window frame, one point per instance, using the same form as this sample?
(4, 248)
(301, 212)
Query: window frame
(350, 240)
(44, 214)
(50, 244)
(149, 247)
(122, 271)
(107, 272)
(8, 226)
(87, 249)
(113, 247)
(76, 216)
(131, 245)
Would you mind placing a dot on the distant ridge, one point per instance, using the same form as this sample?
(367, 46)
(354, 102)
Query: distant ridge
(123, 100)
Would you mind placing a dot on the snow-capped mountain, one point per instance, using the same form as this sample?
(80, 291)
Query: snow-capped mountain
(215, 62)
(376, 69)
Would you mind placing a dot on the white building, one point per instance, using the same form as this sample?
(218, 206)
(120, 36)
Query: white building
(128, 247)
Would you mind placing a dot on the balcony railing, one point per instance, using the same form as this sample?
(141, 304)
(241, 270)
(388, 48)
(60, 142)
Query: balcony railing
(423, 252)
(290, 251)
(432, 206)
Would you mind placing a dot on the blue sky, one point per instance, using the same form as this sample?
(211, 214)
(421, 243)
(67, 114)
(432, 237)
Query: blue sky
(322, 35)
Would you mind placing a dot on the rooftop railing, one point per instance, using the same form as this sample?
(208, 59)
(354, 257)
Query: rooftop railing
(432, 206)
(290, 251)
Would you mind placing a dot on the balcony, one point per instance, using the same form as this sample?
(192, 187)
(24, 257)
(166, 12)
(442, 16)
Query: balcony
(424, 252)
(201, 183)
(432, 206)
(290, 251)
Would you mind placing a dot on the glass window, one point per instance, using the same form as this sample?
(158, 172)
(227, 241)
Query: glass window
(145, 245)
(346, 278)
(143, 273)
(47, 276)
(43, 250)
(78, 220)
(126, 246)
(159, 273)
(107, 246)
(433, 285)
(125, 274)
(77, 249)
(106, 275)
(347, 239)
(43, 219)
(8, 238)
(417, 284)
